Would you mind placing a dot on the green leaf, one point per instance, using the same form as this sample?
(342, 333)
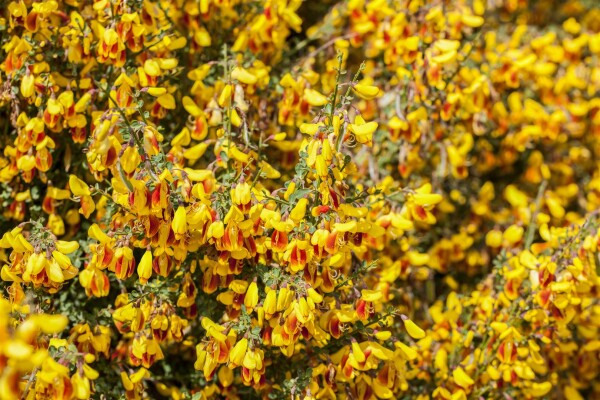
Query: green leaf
(298, 194)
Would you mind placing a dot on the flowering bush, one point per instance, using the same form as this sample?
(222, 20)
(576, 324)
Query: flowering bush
(299, 200)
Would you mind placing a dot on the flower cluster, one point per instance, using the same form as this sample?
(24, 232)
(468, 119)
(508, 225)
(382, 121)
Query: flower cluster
(35, 361)
(362, 199)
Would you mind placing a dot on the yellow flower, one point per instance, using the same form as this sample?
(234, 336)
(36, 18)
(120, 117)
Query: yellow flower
(238, 353)
(462, 378)
(413, 330)
(366, 92)
(314, 98)
(363, 131)
(144, 268)
(179, 223)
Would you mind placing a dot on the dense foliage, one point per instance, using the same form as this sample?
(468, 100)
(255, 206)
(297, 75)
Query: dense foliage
(281, 199)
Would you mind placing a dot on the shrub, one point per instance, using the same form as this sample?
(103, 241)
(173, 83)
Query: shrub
(285, 199)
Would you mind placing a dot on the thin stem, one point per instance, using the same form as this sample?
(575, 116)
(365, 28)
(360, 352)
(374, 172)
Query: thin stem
(532, 223)
(133, 133)
(29, 383)
(337, 85)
